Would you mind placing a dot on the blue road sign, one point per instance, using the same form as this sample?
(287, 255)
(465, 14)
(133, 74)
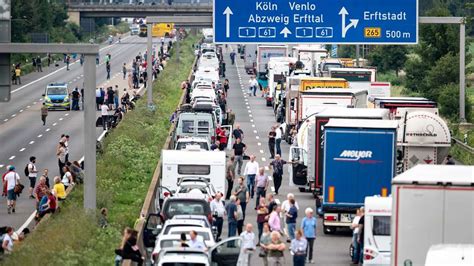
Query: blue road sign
(316, 21)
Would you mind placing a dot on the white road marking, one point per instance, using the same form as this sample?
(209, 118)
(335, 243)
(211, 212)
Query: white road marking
(250, 115)
(5, 120)
(28, 106)
(261, 151)
(13, 115)
(250, 111)
(259, 144)
(253, 125)
(70, 82)
(66, 114)
(40, 99)
(22, 149)
(248, 107)
(255, 131)
(12, 157)
(60, 119)
(48, 129)
(54, 124)
(251, 120)
(34, 102)
(40, 135)
(266, 169)
(21, 111)
(257, 137)
(31, 142)
(277, 201)
(273, 190)
(1, 165)
(263, 159)
(270, 178)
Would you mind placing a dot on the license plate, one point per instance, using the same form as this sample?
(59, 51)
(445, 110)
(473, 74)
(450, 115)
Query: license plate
(347, 217)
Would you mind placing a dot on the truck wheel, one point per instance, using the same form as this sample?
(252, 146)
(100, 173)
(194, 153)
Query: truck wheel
(302, 189)
(329, 230)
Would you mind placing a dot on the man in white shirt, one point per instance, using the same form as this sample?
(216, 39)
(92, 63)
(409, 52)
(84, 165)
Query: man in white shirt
(248, 238)
(251, 170)
(285, 207)
(32, 174)
(194, 242)
(253, 84)
(218, 213)
(12, 178)
(278, 132)
(104, 111)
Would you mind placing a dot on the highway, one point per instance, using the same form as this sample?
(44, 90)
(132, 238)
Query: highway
(256, 120)
(23, 134)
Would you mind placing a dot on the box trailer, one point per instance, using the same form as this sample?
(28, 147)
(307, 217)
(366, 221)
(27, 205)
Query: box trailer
(432, 204)
(359, 161)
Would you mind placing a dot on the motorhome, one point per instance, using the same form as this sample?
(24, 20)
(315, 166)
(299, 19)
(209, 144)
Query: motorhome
(278, 69)
(311, 56)
(264, 53)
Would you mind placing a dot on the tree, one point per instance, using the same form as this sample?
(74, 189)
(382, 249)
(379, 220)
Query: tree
(445, 71)
(388, 57)
(415, 72)
(449, 102)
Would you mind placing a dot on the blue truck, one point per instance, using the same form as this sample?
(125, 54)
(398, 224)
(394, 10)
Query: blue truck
(359, 161)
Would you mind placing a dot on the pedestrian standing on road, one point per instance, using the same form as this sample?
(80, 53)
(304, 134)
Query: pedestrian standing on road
(75, 99)
(355, 236)
(17, 75)
(265, 239)
(31, 172)
(40, 190)
(102, 96)
(298, 249)
(248, 241)
(240, 216)
(97, 98)
(107, 69)
(261, 185)
(230, 176)
(49, 60)
(239, 150)
(230, 118)
(223, 139)
(275, 250)
(290, 220)
(232, 216)
(81, 59)
(44, 113)
(12, 178)
(68, 60)
(250, 171)
(262, 215)
(279, 132)
(253, 83)
(274, 220)
(218, 213)
(242, 193)
(226, 86)
(361, 235)
(116, 97)
(65, 139)
(271, 142)
(39, 64)
(61, 155)
(124, 70)
(232, 57)
(104, 111)
(285, 206)
(308, 225)
(277, 166)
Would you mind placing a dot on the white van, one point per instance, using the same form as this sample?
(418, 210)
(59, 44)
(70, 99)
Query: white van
(180, 163)
(377, 242)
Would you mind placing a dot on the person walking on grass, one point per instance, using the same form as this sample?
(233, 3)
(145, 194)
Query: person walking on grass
(44, 113)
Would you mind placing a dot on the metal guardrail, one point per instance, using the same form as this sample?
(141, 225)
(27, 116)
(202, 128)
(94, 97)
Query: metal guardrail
(463, 145)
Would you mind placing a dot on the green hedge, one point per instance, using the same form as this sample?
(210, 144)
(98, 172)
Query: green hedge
(124, 170)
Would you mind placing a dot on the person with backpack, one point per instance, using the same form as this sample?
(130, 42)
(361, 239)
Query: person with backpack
(31, 172)
(12, 178)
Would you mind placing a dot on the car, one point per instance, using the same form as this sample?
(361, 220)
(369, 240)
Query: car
(185, 204)
(193, 217)
(167, 241)
(226, 252)
(56, 96)
(205, 233)
(198, 186)
(182, 143)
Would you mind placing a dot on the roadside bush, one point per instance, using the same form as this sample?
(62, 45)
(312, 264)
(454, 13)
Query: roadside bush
(448, 101)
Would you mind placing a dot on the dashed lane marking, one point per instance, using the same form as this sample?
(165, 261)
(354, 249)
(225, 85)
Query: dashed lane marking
(31, 142)
(54, 124)
(250, 115)
(261, 151)
(40, 99)
(21, 111)
(66, 114)
(259, 144)
(13, 115)
(60, 119)
(40, 135)
(253, 125)
(12, 157)
(266, 169)
(264, 160)
(48, 129)
(255, 131)
(28, 106)
(22, 149)
(5, 120)
(34, 102)
(257, 137)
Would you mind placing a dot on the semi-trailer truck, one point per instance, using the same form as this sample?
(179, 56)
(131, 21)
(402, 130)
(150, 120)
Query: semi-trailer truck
(432, 205)
(264, 53)
(359, 161)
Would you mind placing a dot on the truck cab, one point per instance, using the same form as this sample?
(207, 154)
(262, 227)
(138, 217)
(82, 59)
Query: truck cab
(278, 70)
(328, 63)
(56, 96)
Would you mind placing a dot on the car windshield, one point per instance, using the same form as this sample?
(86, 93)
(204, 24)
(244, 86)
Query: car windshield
(57, 91)
(168, 228)
(329, 65)
(204, 235)
(190, 207)
(169, 243)
(186, 188)
(381, 226)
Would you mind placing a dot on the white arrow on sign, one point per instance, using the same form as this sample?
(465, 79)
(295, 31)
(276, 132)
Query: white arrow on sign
(227, 13)
(353, 22)
(285, 32)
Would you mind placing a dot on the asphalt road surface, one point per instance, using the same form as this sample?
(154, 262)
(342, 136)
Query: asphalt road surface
(256, 120)
(23, 134)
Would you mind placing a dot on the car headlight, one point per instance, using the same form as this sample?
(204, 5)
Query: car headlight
(66, 99)
(47, 99)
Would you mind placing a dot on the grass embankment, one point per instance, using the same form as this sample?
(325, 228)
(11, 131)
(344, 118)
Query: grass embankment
(124, 171)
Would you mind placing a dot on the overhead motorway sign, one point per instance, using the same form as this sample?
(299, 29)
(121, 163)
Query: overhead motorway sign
(316, 21)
